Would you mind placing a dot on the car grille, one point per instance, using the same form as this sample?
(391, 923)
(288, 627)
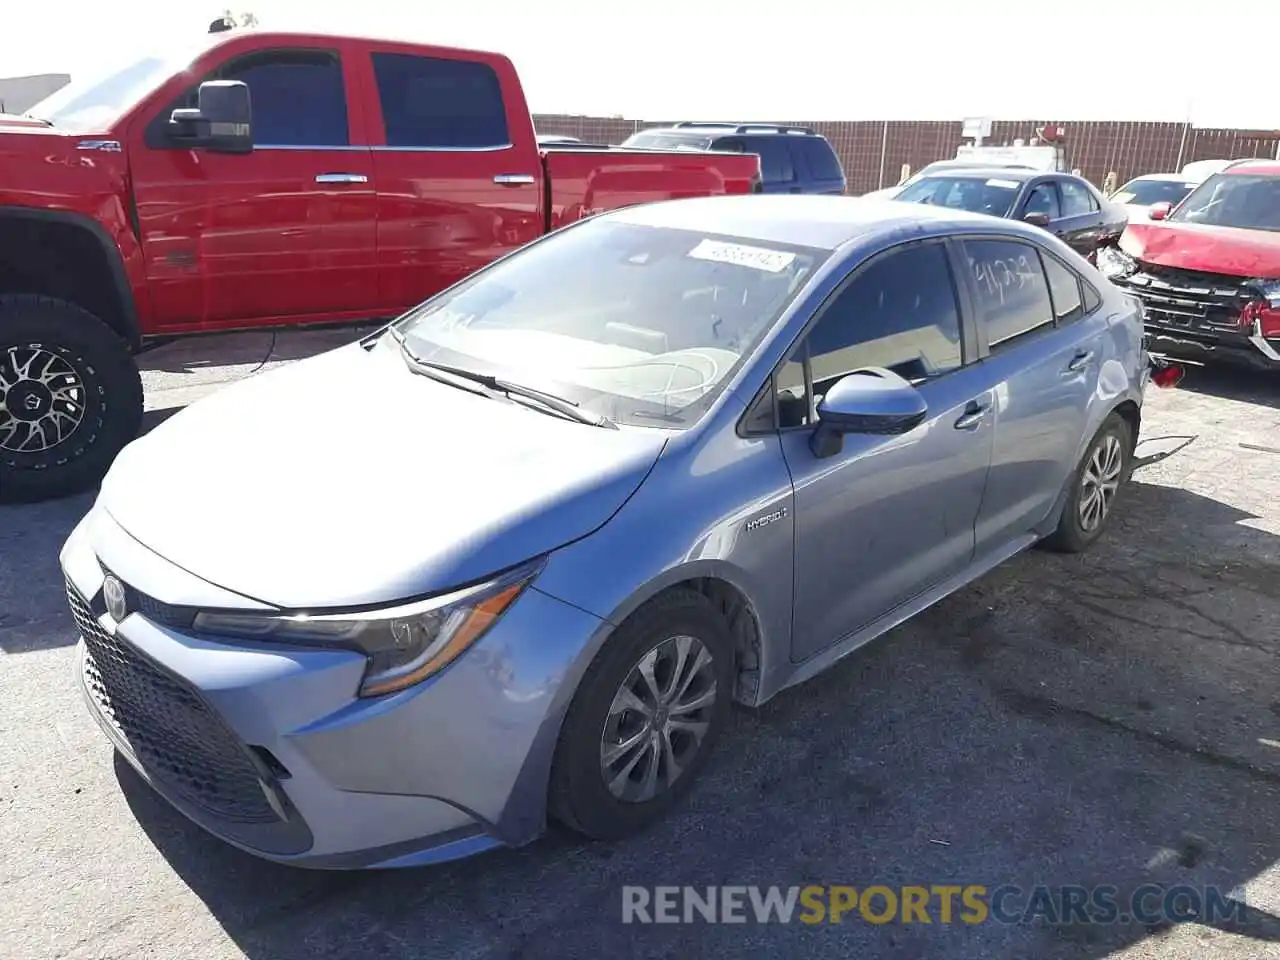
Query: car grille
(182, 743)
(157, 611)
(1190, 300)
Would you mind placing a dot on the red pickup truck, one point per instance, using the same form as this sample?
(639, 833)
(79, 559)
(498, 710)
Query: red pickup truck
(263, 179)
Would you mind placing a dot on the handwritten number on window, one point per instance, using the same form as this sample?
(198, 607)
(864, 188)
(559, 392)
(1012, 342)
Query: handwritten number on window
(1000, 277)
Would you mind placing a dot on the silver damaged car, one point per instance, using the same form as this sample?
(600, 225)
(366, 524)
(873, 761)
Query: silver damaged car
(513, 557)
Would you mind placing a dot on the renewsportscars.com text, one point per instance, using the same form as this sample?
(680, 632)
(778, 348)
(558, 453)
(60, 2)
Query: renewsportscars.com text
(935, 903)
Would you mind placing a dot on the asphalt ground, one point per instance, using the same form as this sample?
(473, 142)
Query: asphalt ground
(1105, 719)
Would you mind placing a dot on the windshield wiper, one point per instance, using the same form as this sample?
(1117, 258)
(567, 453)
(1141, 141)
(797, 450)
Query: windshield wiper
(28, 116)
(566, 408)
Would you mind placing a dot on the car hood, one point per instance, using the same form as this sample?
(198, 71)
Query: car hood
(1192, 246)
(347, 479)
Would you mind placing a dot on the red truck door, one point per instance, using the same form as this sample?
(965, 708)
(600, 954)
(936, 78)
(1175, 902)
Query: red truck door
(459, 175)
(287, 232)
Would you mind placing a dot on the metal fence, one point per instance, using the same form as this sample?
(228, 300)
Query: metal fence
(874, 152)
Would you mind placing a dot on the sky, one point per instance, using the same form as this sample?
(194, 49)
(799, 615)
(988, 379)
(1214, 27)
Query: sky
(746, 59)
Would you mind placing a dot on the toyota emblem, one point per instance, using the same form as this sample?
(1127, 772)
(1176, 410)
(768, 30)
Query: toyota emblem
(117, 603)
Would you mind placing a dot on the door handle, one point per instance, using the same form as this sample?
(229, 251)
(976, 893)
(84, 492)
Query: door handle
(513, 179)
(341, 178)
(974, 414)
(1078, 362)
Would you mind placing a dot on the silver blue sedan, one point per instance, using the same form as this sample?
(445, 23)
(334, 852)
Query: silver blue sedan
(513, 557)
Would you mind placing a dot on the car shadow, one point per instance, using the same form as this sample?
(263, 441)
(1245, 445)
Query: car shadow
(1234, 383)
(193, 354)
(1105, 718)
(34, 615)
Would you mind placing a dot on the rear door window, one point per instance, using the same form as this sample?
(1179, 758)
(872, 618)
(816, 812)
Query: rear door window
(776, 165)
(1011, 289)
(438, 103)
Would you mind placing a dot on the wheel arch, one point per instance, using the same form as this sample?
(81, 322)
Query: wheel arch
(727, 588)
(26, 266)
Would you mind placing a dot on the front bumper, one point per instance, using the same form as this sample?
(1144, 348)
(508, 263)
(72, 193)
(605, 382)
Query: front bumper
(269, 748)
(1199, 324)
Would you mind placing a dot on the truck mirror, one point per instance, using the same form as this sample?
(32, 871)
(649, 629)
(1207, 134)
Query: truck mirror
(221, 119)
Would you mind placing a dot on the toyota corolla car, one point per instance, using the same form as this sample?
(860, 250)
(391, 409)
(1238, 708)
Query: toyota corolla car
(514, 555)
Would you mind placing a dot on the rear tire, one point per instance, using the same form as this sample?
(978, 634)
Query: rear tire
(70, 398)
(1096, 483)
(599, 786)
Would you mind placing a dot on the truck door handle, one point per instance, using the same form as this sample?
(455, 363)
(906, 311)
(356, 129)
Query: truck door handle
(341, 178)
(513, 179)
(974, 413)
(1078, 362)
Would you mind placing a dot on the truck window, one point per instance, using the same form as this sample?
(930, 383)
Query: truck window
(433, 102)
(298, 97)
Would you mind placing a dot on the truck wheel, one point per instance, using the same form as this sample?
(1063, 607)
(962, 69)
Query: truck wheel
(645, 717)
(70, 398)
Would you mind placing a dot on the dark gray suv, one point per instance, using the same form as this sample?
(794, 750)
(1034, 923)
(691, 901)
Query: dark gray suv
(792, 159)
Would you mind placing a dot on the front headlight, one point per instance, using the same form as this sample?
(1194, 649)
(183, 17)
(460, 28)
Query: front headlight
(1114, 264)
(404, 645)
(1269, 289)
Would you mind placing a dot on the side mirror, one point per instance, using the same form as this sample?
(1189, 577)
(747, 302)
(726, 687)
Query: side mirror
(1158, 211)
(221, 121)
(870, 401)
(1037, 219)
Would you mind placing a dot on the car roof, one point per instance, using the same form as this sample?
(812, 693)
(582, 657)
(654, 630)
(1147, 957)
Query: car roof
(808, 220)
(725, 129)
(961, 163)
(1171, 177)
(1259, 167)
(1020, 174)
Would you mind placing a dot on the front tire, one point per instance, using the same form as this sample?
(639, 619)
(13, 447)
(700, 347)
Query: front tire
(1095, 485)
(70, 398)
(645, 718)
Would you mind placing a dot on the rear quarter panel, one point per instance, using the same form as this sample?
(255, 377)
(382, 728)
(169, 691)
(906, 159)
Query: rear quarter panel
(586, 182)
(1122, 370)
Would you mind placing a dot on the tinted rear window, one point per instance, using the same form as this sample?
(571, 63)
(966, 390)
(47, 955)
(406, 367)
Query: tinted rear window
(823, 162)
(430, 102)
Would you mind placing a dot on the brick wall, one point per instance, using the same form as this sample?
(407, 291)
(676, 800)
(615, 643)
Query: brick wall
(873, 151)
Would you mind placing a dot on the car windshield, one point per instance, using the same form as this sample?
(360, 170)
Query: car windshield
(643, 325)
(1233, 200)
(95, 102)
(666, 141)
(990, 195)
(1144, 193)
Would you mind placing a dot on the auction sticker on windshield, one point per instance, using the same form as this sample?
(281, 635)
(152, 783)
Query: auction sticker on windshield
(1011, 184)
(743, 255)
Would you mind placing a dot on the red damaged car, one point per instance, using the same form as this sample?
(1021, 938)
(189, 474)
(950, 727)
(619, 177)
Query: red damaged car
(1208, 271)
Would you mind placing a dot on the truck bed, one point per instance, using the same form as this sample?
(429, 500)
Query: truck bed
(580, 182)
